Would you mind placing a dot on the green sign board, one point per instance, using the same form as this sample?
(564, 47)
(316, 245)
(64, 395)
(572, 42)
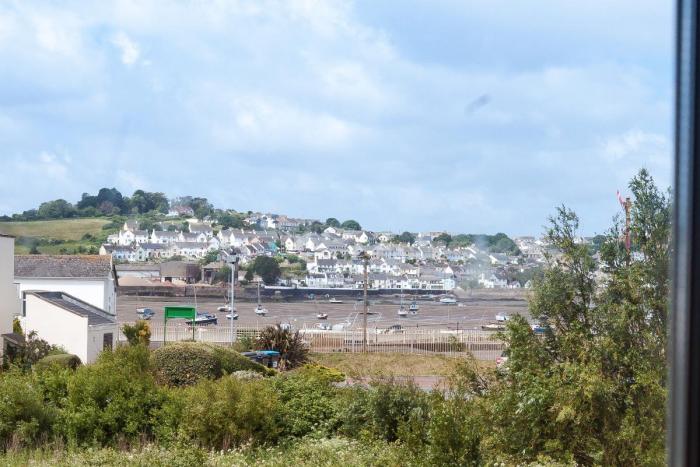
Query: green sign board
(186, 312)
(173, 312)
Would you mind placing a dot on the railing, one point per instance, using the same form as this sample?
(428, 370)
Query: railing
(483, 345)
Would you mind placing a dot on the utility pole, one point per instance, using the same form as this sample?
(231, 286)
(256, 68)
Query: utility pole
(365, 260)
(628, 206)
(232, 260)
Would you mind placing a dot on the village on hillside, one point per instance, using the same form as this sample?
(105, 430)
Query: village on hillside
(332, 257)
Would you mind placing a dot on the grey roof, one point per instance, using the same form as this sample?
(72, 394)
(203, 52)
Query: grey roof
(76, 306)
(63, 266)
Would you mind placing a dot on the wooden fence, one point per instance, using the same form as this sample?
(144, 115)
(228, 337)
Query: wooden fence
(483, 345)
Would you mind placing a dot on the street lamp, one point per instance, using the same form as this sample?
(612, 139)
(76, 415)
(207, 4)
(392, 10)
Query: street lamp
(232, 261)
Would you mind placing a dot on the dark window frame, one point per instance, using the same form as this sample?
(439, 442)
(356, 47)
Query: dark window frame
(683, 442)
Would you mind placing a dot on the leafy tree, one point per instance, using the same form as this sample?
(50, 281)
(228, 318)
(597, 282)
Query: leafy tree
(405, 237)
(443, 238)
(267, 268)
(249, 275)
(592, 389)
(332, 222)
(351, 225)
(230, 221)
(57, 209)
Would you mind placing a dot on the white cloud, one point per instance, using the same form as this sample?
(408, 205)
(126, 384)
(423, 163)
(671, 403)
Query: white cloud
(130, 50)
(635, 144)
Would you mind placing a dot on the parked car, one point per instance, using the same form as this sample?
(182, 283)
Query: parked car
(145, 313)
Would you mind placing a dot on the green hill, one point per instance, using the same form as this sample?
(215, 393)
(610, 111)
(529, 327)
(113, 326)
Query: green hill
(58, 236)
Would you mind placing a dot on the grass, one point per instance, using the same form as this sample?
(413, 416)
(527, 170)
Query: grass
(69, 232)
(388, 364)
(302, 453)
(61, 229)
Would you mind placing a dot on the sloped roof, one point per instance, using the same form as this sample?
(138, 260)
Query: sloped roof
(63, 266)
(76, 306)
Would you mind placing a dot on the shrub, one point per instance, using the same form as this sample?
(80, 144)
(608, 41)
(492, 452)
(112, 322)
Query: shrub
(185, 363)
(64, 360)
(137, 333)
(112, 400)
(386, 410)
(309, 401)
(293, 351)
(23, 416)
(225, 413)
(232, 361)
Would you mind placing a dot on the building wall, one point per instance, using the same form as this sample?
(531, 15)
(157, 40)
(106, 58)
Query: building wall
(9, 301)
(57, 326)
(99, 293)
(95, 340)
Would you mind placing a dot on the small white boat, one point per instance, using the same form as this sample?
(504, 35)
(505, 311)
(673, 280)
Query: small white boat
(322, 316)
(493, 327)
(234, 317)
(226, 308)
(448, 300)
(334, 300)
(402, 312)
(324, 326)
(502, 318)
(413, 308)
(260, 310)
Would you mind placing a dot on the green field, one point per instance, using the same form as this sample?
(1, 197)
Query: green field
(69, 232)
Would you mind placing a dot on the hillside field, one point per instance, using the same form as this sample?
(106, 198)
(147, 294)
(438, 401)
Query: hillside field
(69, 232)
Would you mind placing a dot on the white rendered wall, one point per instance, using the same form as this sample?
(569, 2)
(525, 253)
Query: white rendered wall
(96, 339)
(9, 302)
(99, 293)
(57, 326)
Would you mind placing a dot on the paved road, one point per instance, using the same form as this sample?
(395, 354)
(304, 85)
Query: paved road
(468, 314)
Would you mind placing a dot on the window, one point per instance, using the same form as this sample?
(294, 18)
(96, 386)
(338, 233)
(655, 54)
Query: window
(107, 341)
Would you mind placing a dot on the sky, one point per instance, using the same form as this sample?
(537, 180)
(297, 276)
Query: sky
(464, 116)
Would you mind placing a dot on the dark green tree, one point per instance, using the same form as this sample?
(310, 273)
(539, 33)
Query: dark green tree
(351, 225)
(267, 268)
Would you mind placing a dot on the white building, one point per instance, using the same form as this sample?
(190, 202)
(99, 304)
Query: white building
(61, 319)
(9, 303)
(88, 277)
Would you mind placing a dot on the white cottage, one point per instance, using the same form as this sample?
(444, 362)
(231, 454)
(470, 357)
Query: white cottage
(90, 278)
(64, 320)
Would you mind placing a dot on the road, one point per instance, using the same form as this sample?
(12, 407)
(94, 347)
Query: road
(467, 314)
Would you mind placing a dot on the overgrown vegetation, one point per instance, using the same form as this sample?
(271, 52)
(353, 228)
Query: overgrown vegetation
(590, 391)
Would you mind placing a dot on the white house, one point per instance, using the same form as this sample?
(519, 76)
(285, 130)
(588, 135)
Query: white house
(90, 278)
(9, 303)
(164, 237)
(64, 320)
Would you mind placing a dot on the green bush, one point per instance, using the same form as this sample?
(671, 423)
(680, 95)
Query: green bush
(185, 363)
(63, 360)
(23, 416)
(232, 361)
(308, 401)
(386, 410)
(112, 400)
(222, 414)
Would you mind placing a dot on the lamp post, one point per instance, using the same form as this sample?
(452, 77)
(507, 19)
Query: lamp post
(232, 260)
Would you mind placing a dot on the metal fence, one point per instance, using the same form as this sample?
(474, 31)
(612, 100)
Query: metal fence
(483, 345)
